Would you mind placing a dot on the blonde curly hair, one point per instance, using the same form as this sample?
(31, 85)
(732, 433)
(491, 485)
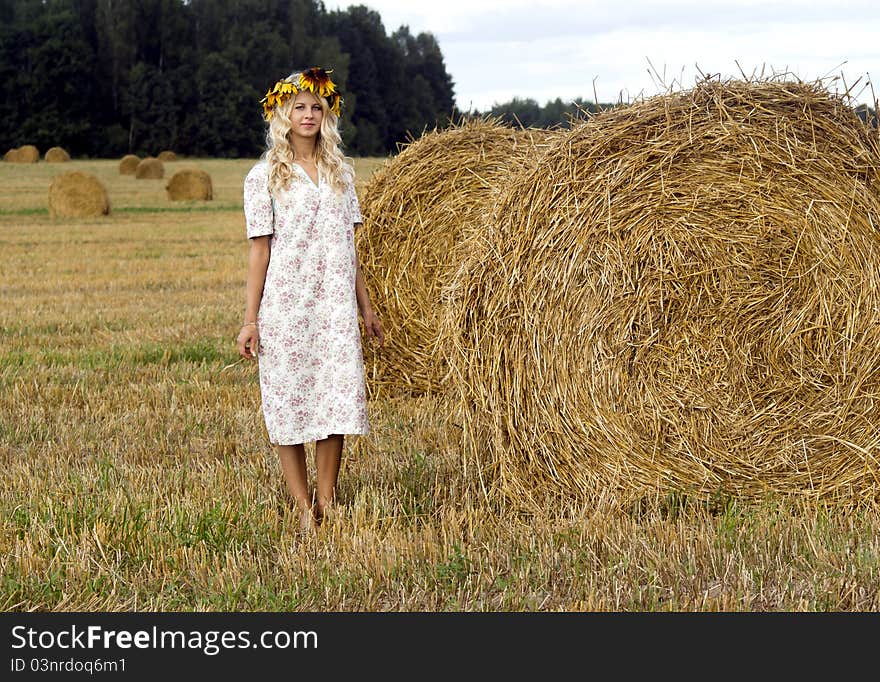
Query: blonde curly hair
(334, 167)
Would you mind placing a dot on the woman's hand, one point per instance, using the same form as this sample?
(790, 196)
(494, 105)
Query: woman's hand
(373, 327)
(248, 341)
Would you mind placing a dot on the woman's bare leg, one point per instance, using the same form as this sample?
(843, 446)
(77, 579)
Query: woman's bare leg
(328, 458)
(296, 476)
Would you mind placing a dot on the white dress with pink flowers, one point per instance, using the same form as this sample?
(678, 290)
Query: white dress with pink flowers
(310, 356)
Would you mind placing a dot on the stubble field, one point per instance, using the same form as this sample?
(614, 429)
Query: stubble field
(135, 472)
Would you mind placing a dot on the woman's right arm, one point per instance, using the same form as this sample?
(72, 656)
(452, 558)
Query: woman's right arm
(258, 262)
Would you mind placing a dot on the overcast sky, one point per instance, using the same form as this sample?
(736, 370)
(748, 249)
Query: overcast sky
(498, 49)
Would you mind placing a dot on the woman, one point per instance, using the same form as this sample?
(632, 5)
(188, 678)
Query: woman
(305, 287)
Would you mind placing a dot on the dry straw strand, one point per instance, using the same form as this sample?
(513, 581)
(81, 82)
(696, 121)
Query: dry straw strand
(683, 296)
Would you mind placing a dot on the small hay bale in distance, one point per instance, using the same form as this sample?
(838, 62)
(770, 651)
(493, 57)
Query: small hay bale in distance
(149, 168)
(190, 184)
(416, 208)
(684, 296)
(28, 154)
(167, 155)
(75, 194)
(25, 154)
(128, 164)
(56, 155)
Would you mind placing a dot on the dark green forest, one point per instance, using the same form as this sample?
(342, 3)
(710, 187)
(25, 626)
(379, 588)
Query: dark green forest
(106, 77)
(103, 78)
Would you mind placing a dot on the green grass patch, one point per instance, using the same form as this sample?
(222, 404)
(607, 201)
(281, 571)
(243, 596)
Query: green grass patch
(186, 208)
(24, 211)
(198, 353)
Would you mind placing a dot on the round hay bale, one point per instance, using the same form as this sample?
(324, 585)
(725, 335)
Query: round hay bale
(26, 154)
(74, 194)
(128, 164)
(416, 208)
(10, 156)
(167, 155)
(56, 155)
(683, 297)
(190, 183)
(149, 168)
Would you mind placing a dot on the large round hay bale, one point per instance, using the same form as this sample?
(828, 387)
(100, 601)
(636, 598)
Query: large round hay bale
(25, 154)
(416, 209)
(149, 168)
(10, 155)
(683, 296)
(56, 155)
(190, 183)
(74, 194)
(167, 155)
(128, 164)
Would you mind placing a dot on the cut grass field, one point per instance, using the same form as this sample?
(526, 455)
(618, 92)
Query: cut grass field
(135, 472)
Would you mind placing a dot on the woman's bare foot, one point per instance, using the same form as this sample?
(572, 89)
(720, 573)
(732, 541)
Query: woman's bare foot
(307, 521)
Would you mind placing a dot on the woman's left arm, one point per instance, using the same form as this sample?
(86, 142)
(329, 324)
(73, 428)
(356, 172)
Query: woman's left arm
(372, 325)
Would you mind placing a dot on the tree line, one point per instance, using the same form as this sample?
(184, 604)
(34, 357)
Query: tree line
(528, 113)
(107, 77)
(555, 113)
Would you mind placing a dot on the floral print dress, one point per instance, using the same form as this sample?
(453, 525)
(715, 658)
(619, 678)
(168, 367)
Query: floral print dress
(310, 355)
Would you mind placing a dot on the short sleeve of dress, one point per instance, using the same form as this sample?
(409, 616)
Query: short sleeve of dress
(258, 214)
(353, 206)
